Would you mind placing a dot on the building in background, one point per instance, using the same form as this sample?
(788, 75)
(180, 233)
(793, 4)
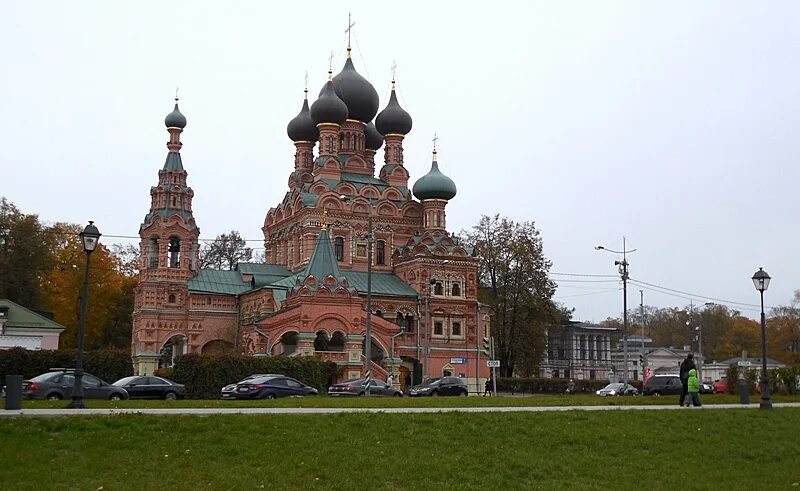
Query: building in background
(24, 328)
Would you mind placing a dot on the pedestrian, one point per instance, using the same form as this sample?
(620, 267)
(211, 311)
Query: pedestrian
(694, 388)
(686, 365)
(487, 387)
(571, 387)
(389, 379)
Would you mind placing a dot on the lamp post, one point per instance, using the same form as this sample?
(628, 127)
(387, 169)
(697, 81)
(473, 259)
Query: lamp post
(761, 282)
(368, 334)
(623, 272)
(89, 239)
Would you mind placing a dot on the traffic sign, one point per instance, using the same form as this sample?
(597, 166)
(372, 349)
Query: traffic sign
(743, 363)
(458, 361)
(493, 363)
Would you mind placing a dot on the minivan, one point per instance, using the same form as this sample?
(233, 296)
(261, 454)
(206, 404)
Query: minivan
(662, 385)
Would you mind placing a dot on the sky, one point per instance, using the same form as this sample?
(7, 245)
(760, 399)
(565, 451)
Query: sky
(673, 124)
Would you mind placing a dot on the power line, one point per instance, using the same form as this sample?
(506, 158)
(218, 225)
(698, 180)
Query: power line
(585, 275)
(692, 295)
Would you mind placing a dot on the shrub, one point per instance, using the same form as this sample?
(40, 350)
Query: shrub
(204, 376)
(546, 385)
(110, 365)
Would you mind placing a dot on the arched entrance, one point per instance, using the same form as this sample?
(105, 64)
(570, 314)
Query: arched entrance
(217, 347)
(172, 348)
(288, 343)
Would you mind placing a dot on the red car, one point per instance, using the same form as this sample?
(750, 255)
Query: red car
(721, 386)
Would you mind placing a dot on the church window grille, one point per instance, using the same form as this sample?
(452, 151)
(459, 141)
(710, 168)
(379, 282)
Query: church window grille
(380, 252)
(338, 248)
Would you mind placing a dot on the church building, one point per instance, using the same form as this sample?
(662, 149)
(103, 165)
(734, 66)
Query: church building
(310, 296)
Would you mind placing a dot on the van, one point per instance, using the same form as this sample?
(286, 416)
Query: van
(658, 385)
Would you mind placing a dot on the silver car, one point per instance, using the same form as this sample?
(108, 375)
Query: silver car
(616, 389)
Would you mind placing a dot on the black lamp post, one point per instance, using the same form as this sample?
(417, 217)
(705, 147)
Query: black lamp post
(761, 281)
(89, 239)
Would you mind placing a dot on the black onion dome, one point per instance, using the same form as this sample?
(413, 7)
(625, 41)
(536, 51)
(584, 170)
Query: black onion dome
(393, 119)
(434, 184)
(175, 119)
(374, 138)
(356, 91)
(328, 108)
(302, 127)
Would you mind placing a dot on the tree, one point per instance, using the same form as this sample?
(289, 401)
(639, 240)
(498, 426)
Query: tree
(225, 252)
(783, 334)
(514, 276)
(25, 255)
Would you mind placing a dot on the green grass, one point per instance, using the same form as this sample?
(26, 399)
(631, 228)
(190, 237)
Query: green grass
(324, 401)
(687, 449)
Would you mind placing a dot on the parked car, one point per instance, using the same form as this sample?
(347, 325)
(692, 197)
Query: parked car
(58, 383)
(721, 386)
(151, 388)
(357, 387)
(658, 385)
(706, 388)
(272, 387)
(228, 392)
(618, 389)
(440, 386)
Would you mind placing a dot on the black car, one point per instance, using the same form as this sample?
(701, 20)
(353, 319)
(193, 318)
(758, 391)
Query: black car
(658, 385)
(229, 391)
(58, 384)
(440, 386)
(272, 387)
(151, 388)
(357, 387)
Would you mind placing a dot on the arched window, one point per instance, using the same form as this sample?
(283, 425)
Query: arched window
(341, 142)
(171, 299)
(330, 144)
(380, 252)
(438, 289)
(456, 290)
(338, 248)
(152, 253)
(174, 252)
(352, 142)
(456, 329)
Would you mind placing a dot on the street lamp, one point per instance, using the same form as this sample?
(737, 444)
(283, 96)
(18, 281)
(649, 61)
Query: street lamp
(89, 240)
(761, 282)
(368, 334)
(623, 272)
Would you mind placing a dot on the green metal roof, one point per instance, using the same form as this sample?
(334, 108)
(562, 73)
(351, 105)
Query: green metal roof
(265, 269)
(215, 281)
(386, 284)
(173, 162)
(19, 316)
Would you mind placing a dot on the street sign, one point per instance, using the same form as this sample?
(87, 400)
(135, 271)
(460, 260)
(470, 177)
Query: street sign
(743, 363)
(493, 363)
(458, 361)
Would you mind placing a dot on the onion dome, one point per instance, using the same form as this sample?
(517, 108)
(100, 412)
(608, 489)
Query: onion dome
(302, 127)
(328, 108)
(356, 91)
(175, 119)
(393, 119)
(374, 139)
(434, 184)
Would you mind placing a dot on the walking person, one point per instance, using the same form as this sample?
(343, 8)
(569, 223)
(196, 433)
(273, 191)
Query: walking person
(686, 366)
(694, 388)
(487, 387)
(390, 379)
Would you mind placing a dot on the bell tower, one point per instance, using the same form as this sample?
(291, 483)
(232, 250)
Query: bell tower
(168, 256)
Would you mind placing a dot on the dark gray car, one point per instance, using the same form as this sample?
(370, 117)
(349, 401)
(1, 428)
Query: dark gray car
(440, 386)
(58, 384)
(151, 388)
(358, 388)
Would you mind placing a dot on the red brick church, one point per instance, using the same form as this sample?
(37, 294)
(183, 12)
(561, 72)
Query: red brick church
(309, 296)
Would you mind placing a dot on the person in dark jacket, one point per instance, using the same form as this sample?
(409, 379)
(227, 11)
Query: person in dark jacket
(487, 387)
(686, 365)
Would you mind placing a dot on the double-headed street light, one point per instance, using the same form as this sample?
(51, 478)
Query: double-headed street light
(761, 282)
(623, 272)
(90, 237)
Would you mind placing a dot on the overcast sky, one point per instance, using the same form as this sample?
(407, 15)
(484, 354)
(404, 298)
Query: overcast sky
(673, 123)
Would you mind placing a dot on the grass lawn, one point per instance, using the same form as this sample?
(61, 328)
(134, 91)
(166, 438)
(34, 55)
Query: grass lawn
(325, 401)
(686, 449)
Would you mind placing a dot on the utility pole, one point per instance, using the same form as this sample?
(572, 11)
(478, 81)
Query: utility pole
(641, 315)
(623, 273)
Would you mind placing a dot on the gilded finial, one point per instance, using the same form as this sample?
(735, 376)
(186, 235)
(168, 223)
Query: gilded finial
(330, 66)
(325, 220)
(176, 94)
(394, 73)
(435, 139)
(305, 89)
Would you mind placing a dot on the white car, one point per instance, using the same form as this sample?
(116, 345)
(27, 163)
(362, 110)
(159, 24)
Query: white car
(616, 389)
